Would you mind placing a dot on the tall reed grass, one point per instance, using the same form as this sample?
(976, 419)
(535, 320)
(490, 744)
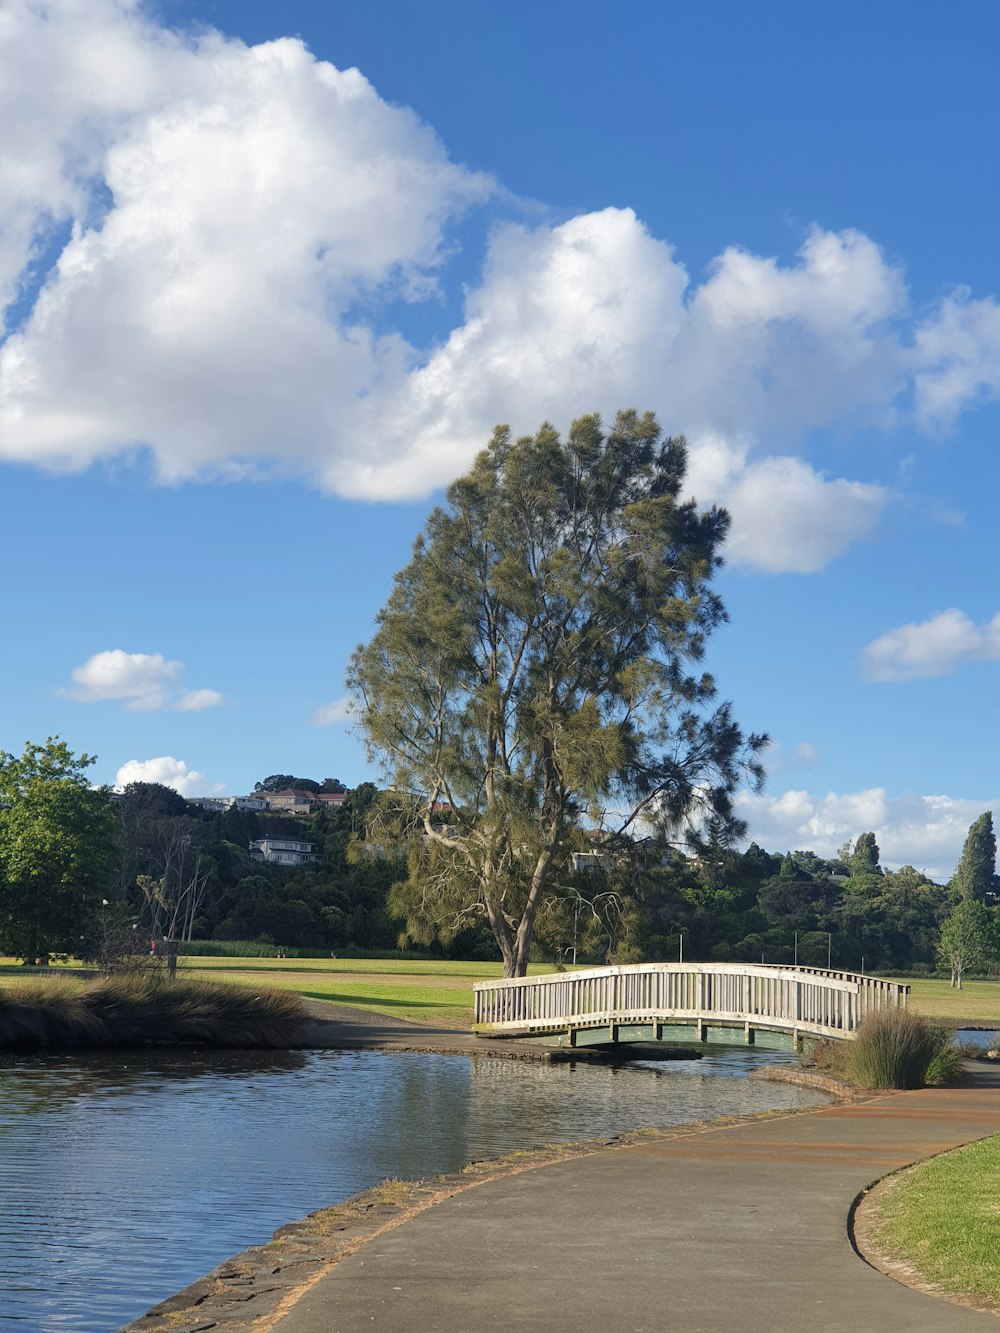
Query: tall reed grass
(895, 1048)
(56, 1013)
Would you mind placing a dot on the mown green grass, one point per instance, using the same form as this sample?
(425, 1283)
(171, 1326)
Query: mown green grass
(976, 1002)
(943, 1218)
(438, 994)
(434, 991)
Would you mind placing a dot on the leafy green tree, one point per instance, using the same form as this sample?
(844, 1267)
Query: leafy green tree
(58, 844)
(284, 781)
(864, 858)
(536, 664)
(967, 939)
(976, 873)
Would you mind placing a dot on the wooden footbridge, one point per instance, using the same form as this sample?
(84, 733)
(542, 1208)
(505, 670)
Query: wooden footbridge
(732, 1003)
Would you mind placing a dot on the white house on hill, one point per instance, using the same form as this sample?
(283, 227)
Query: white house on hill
(283, 851)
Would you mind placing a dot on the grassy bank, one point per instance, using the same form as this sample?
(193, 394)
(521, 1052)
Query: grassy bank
(942, 1218)
(978, 1002)
(438, 994)
(59, 1013)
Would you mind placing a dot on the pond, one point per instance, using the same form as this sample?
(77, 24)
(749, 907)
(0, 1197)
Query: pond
(127, 1176)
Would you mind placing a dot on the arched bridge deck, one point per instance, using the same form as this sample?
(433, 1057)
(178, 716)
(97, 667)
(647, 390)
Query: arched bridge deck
(732, 1003)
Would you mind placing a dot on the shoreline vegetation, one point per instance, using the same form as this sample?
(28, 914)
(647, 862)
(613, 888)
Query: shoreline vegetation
(434, 993)
(40, 1014)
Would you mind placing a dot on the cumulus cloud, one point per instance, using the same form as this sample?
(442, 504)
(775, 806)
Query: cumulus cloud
(957, 357)
(934, 647)
(233, 225)
(168, 771)
(787, 517)
(196, 701)
(338, 711)
(925, 831)
(145, 682)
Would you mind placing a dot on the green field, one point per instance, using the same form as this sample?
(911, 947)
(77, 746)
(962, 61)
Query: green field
(440, 993)
(942, 1217)
(977, 1003)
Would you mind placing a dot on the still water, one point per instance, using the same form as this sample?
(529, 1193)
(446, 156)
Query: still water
(124, 1177)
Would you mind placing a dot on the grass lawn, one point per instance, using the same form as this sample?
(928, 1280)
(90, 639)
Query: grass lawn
(438, 994)
(943, 1218)
(978, 1002)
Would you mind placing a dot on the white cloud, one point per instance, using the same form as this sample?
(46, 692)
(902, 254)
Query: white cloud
(257, 196)
(144, 681)
(957, 356)
(934, 647)
(235, 223)
(805, 755)
(195, 701)
(925, 831)
(338, 711)
(167, 770)
(787, 517)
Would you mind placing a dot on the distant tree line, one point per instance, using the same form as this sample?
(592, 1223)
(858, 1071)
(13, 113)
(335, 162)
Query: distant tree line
(76, 861)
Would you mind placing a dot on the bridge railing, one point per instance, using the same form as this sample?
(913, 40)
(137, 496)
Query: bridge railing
(814, 1000)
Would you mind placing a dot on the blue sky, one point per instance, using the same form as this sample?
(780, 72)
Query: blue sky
(271, 272)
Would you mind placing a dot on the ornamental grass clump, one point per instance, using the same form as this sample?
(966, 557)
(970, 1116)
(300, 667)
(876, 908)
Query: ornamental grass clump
(40, 1012)
(895, 1048)
(140, 1009)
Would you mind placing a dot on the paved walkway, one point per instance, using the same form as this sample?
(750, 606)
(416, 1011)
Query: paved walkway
(741, 1228)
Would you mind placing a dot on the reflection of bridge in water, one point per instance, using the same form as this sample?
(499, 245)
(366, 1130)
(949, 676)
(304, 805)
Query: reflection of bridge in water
(731, 1003)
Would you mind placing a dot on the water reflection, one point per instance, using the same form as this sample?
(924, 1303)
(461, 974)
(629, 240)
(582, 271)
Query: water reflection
(126, 1176)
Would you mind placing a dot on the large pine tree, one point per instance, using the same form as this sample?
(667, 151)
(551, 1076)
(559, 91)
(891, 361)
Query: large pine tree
(536, 664)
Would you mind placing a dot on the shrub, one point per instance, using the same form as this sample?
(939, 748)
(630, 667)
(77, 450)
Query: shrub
(893, 1049)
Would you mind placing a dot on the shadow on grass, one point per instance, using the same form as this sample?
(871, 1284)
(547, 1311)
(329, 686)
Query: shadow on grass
(375, 1004)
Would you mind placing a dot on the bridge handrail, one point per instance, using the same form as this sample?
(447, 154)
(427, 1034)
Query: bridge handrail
(827, 1002)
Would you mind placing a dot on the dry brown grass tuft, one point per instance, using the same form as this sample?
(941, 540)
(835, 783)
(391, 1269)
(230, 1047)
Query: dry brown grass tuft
(138, 1009)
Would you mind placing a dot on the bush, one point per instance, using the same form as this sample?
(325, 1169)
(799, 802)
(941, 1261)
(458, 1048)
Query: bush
(895, 1048)
(141, 1009)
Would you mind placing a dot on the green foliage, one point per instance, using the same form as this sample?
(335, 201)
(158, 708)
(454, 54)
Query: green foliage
(56, 1013)
(535, 665)
(895, 1048)
(945, 1064)
(976, 877)
(864, 858)
(58, 846)
(968, 939)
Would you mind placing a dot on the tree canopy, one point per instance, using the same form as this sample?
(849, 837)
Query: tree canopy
(968, 939)
(976, 873)
(865, 857)
(58, 844)
(536, 669)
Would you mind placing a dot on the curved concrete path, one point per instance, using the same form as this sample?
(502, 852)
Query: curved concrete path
(739, 1228)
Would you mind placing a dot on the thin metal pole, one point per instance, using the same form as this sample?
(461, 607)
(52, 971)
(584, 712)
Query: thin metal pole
(795, 960)
(829, 949)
